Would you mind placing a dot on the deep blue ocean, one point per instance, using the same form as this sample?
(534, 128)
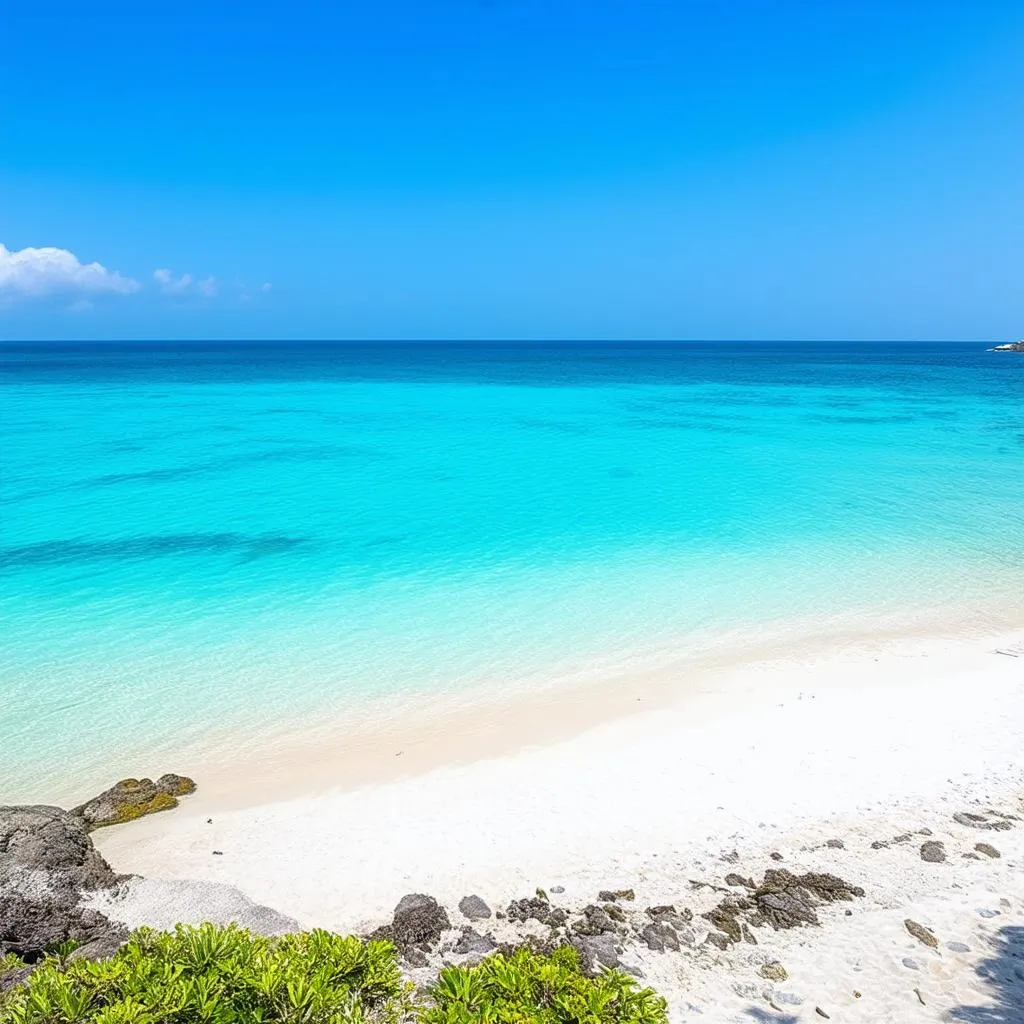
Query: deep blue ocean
(253, 534)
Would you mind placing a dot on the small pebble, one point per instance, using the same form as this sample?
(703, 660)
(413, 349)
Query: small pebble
(836, 844)
(218, 853)
(985, 912)
(775, 856)
(911, 963)
(558, 888)
(958, 947)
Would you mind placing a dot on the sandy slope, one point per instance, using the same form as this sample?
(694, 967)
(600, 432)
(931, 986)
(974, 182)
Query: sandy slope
(860, 746)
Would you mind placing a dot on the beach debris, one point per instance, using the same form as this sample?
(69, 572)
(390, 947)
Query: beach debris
(471, 941)
(921, 933)
(48, 861)
(218, 853)
(821, 1013)
(474, 908)
(920, 998)
(933, 851)
(132, 798)
(610, 895)
(1001, 824)
(958, 947)
(419, 921)
(773, 971)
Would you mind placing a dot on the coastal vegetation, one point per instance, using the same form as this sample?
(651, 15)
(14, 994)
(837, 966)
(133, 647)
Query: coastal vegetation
(227, 975)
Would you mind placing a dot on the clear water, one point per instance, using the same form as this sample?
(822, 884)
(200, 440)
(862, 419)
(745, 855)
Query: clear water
(244, 534)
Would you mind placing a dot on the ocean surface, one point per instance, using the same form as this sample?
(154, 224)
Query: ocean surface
(255, 535)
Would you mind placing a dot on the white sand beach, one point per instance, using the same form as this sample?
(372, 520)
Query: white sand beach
(860, 746)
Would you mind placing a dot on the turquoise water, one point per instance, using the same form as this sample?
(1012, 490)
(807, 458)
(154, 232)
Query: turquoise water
(252, 534)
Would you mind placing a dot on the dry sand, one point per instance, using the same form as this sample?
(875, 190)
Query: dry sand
(862, 745)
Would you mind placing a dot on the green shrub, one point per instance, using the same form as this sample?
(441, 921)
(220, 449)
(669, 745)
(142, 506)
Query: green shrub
(211, 975)
(529, 988)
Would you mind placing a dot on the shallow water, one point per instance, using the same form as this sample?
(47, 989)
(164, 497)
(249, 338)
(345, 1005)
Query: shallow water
(243, 534)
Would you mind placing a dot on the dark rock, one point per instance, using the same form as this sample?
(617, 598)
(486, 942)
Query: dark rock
(595, 921)
(558, 888)
(472, 941)
(665, 908)
(719, 940)
(660, 937)
(921, 933)
(730, 858)
(418, 920)
(474, 908)
(415, 957)
(821, 1013)
(535, 909)
(911, 963)
(49, 839)
(610, 895)
(981, 821)
(836, 844)
(970, 856)
(614, 912)
(738, 880)
(933, 852)
(924, 832)
(773, 971)
(748, 935)
(904, 837)
(879, 844)
(783, 900)
(132, 798)
(958, 947)
(46, 861)
(32, 925)
(985, 848)
(597, 951)
(775, 856)
(15, 976)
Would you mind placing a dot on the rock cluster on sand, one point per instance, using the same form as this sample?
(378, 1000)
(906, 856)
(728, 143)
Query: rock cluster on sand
(132, 798)
(47, 861)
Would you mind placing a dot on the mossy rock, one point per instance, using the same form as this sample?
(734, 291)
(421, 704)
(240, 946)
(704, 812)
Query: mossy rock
(134, 798)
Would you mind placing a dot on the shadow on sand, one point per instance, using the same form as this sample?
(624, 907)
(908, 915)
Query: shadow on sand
(1003, 974)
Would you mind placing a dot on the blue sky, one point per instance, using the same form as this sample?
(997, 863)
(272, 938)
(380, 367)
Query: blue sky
(513, 169)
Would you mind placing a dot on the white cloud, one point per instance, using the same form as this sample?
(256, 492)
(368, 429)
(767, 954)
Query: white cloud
(37, 272)
(266, 286)
(209, 287)
(171, 285)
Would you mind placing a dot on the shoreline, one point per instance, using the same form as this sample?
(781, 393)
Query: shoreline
(383, 739)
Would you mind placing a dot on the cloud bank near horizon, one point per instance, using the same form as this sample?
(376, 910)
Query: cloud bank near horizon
(45, 271)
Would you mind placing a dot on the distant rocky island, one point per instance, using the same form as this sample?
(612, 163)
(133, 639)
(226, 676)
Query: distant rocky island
(1013, 346)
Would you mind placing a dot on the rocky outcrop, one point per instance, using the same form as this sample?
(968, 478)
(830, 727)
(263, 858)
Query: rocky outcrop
(1013, 346)
(47, 861)
(782, 900)
(132, 798)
